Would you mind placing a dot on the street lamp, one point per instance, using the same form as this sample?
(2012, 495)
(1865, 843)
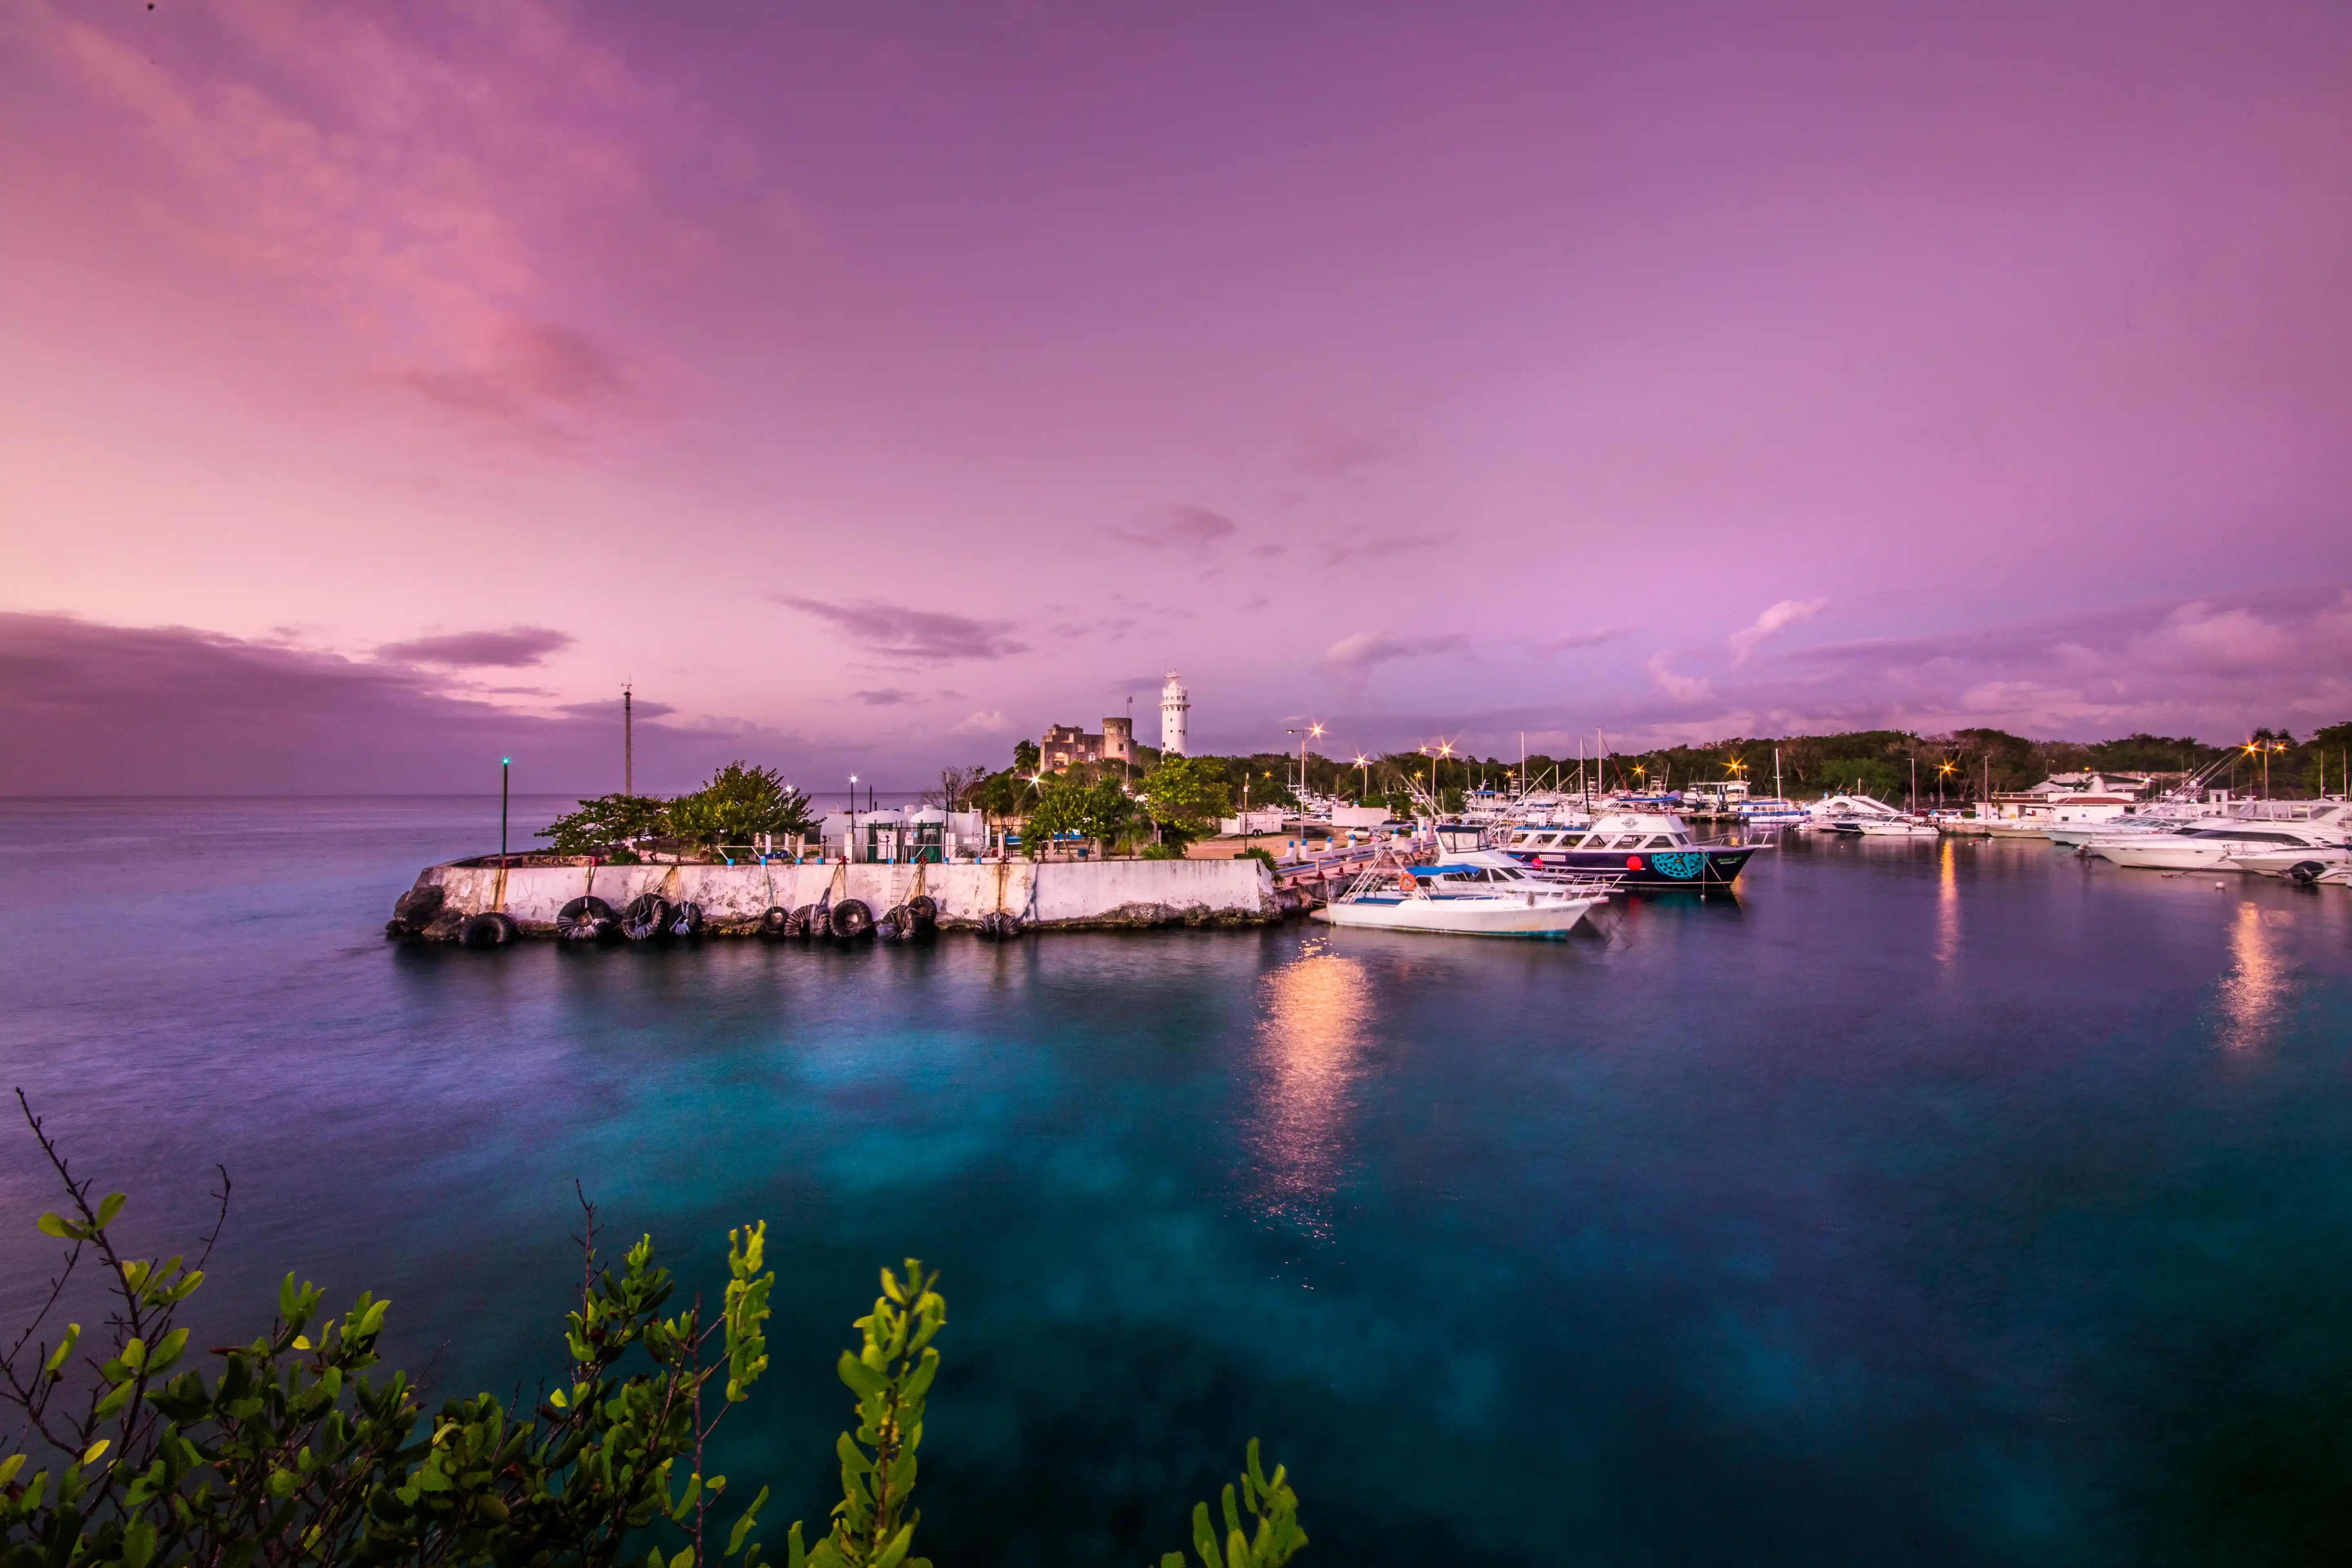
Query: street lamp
(850, 845)
(1364, 764)
(505, 767)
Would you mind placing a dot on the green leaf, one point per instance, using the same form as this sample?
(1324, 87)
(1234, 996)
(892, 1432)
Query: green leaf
(864, 1381)
(685, 1558)
(108, 1207)
(65, 1348)
(58, 1226)
(91, 1454)
(742, 1526)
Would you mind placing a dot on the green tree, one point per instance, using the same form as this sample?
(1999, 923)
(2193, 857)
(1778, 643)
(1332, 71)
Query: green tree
(1071, 801)
(602, 825)
(1187, 797)
(738, 804)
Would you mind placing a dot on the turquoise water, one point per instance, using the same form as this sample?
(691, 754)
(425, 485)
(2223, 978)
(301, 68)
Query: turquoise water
(1948, 1204)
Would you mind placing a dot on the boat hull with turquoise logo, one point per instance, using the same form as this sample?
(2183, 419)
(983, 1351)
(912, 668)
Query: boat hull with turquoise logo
(1643, 850)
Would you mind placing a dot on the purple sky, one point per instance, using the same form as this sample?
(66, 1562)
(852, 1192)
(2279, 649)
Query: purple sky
(872, 385)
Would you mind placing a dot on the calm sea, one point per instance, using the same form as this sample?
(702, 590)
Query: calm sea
(1941, 1204)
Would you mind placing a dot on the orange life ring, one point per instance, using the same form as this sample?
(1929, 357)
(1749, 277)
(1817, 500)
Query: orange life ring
(1405, 882)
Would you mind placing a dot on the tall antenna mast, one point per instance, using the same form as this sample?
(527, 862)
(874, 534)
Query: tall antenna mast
(628, 743)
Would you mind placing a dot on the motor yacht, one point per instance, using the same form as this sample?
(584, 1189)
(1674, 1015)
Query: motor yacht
(1460, 900)
(2299, 863)
(1849, 814)
(2259, 827)
(1646, 848)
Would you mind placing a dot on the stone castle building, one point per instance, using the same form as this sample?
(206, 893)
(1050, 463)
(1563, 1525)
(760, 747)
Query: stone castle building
(1067, 743)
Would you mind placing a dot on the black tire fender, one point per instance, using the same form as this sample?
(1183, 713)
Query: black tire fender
(585, 919)
(647, 918)
(851, 919)
(2307, 871)
(775, 922)
(804, 923)
(686, 919)
(925, 910)
(492, 930)
(1008, 926)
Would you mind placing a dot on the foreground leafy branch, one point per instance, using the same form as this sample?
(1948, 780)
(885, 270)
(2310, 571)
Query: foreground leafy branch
(299, 1452)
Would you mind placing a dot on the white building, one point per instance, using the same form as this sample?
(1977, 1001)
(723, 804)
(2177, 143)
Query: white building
(1175, 703)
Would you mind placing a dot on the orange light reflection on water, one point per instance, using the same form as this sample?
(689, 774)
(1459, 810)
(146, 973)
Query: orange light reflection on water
(2253, 993)
(1948, 906)
(1311, 1039)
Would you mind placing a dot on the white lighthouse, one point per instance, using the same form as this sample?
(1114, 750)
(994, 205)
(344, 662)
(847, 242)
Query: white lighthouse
(1174, 704)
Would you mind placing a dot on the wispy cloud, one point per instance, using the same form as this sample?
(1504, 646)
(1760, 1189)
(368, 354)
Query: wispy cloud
(1376, 547)
(898, 632)
(1775, 620)
(884, 697)
(526, 377)
(425, 180)
(513, 648)
(1193, 530)
(1565, 641)
(1684, 688)
(989, 723)
(1350, 661)
(1334, 453)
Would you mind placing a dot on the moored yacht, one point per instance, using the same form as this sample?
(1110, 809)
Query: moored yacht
(2260, 828)
(1646, 849)
(1461, 900)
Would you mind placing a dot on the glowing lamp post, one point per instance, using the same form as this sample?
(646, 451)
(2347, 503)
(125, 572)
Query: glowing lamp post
(506, 765)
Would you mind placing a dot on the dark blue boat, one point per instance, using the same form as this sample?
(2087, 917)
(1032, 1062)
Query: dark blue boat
(1645, 848)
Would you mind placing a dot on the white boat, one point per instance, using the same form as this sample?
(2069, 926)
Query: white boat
(1768, 811)
(2298, 863)
(1897, 827)
(1856, 814)
(1459, 900)
(2260, 828)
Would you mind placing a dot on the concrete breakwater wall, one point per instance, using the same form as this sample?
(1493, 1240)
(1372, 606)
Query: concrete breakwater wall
(1070, 894)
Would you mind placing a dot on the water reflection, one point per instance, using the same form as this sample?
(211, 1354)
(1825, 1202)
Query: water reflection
(2253, 993)
(1948, 905)
(1311, 1042)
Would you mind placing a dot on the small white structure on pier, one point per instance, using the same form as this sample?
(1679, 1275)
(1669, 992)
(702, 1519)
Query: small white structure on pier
(1175, 704)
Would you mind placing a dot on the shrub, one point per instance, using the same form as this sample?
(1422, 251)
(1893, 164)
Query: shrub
(1162, 852)
(601, 825)
(738, 804)
(1255, 853)
(299, 1451)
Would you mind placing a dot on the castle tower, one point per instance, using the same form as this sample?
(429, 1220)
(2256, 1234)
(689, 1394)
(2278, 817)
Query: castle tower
(1174, 704)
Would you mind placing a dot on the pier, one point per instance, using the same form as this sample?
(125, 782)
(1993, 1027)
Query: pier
(735, 899)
